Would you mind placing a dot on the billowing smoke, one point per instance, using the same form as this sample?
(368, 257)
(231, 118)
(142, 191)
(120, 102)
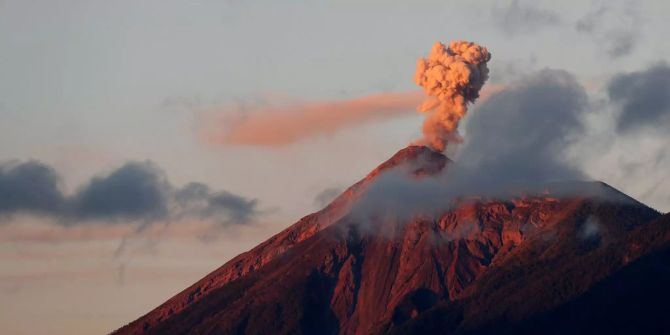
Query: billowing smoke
(516, 144)
(452, 78)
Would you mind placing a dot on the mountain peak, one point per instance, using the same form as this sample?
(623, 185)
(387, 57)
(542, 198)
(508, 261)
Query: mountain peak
(322, 275)
(419, 159)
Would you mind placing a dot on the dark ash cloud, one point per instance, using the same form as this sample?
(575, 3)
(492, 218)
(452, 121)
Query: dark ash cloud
(644, 98)
(520, 18)
(29, 187)
(136, 191)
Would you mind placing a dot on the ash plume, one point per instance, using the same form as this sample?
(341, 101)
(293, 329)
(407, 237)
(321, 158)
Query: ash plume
(281, 123)
(451, 77)
(516, 145)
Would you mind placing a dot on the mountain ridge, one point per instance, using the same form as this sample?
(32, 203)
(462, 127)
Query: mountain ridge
(304, 228)
(325, 274)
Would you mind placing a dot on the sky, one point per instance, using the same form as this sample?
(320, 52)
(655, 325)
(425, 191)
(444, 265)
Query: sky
(143, 144)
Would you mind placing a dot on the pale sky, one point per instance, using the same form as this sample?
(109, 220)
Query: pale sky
(87, 86)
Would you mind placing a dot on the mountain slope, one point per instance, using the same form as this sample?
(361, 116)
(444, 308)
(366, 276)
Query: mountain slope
(480, 263)
(420, 160)
(620, 287)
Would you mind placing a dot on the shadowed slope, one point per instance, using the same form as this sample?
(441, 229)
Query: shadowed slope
(608, 285)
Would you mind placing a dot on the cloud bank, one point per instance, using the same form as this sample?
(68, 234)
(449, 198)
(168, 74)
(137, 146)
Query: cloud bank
(29, 186)
(136, 191)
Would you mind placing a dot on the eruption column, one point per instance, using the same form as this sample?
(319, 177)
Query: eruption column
(452, 78)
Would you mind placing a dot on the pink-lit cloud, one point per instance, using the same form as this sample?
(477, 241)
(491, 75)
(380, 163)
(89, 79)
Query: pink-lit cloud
(285, 123)
(280, 123)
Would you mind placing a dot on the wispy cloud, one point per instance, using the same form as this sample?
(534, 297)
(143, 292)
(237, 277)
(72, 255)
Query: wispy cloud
(281, 122)
(523, 18)
(614, 25)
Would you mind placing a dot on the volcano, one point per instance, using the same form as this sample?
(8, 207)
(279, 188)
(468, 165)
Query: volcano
(555, 262)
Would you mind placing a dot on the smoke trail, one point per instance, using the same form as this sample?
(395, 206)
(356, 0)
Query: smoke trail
(451, 77)
(282, 124)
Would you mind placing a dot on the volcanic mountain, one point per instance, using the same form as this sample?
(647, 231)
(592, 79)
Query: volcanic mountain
(590, 260)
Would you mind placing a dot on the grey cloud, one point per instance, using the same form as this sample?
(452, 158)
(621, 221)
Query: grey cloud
(396, 194)
(589, 22)
(136, 191)
(192, 193)
(197, 199)
(620, 43)
(614, 25)
(644, 98)
(506, 71)
(514, 142)
(520, 133)
(238, 209)
(630, 148)
(29, 187)
(518, 18)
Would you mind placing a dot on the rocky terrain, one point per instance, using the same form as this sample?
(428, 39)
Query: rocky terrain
(552, 262)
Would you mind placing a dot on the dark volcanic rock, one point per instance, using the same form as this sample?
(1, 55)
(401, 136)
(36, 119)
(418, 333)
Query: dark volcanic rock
(481, 266)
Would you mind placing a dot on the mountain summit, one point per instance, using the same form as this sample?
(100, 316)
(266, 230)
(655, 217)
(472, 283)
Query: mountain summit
(566, 262)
